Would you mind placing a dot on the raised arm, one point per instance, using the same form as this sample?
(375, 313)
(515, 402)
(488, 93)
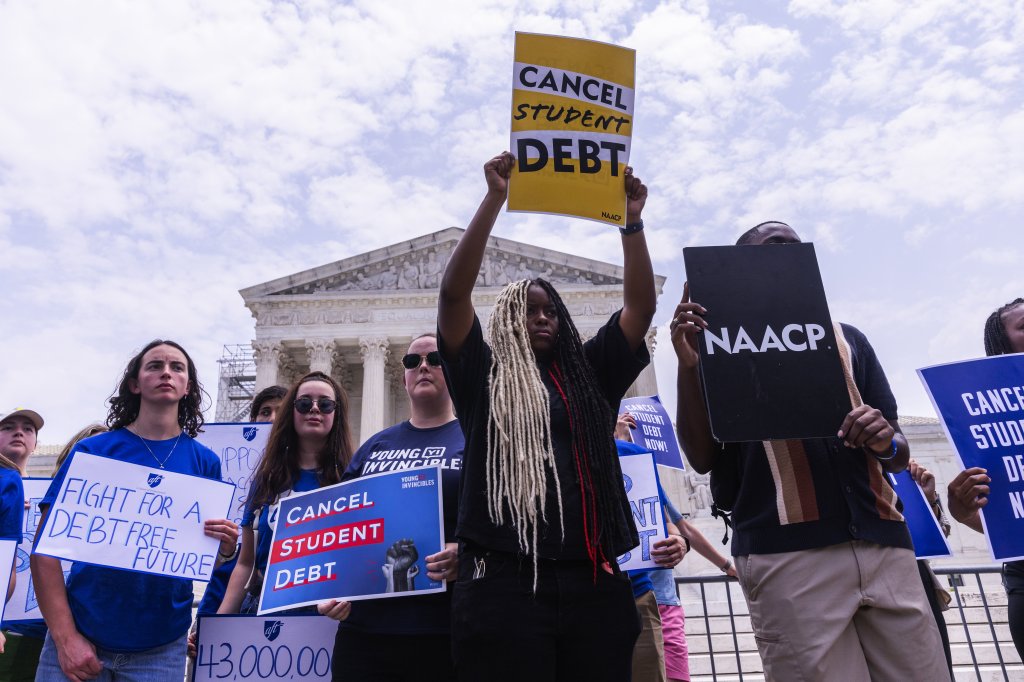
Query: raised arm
(692, 422)
(639, 296)
(455, 301)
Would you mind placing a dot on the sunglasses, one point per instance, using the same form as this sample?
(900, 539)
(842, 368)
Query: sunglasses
(413, 360)
(305, 405)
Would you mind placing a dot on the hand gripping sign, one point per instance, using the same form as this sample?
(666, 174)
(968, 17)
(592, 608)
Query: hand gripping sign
(363, 539)
(572, 122)
(121, 515)
(654, 430)
(259, 648)
(981, 405)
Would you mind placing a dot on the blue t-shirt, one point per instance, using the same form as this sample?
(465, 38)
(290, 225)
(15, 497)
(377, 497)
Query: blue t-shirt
(12, 505)
(400, 447)
(306, 480)
(125, 610)
(216, 588)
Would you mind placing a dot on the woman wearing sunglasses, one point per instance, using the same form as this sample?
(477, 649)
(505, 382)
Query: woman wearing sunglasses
(418, 627)
(308, 448)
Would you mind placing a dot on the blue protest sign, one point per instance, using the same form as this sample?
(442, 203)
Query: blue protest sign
(925, 531)
(23, 605)
(363, 539)
(640, 476)
(240, 448)
(981, 405)
(112, 513)
(654, 430)
(233, 647)
(7, 550)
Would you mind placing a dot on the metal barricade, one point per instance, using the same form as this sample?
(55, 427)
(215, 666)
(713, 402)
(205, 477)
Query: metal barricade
(722, 647)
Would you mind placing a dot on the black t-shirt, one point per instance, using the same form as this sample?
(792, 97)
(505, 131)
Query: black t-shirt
(616, 367)
(820, 496)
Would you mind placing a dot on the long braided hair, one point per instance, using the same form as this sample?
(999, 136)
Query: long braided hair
(996, 341)
(519, 455)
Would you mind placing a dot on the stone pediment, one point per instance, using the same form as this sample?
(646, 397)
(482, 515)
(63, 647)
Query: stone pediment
(417, 265)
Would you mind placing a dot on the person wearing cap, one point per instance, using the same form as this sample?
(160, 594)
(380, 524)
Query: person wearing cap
(17, 441)
(19, 431)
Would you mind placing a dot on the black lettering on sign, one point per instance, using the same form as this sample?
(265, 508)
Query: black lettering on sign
(561, 155)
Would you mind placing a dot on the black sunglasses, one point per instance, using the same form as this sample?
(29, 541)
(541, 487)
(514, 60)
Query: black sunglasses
(305, 405)
(413, 360)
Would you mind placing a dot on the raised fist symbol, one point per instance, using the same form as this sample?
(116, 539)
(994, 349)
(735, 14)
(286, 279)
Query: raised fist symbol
(400, 569)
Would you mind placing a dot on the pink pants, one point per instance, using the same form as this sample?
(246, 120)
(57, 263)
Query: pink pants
(676, 664)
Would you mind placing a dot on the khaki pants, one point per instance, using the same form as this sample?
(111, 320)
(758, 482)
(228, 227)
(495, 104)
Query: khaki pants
(852, 611)
(649, 650)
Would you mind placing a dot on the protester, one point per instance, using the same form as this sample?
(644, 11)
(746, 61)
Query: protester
(263, 409)
(69, 447)
(25, 638)
(419, 627)
(673, 620)
(649, 651)
(968, 492)
(937, 593)
(542, 511)
(309, 446)
(18, 432)
(17, 441)
(108, 623)
(821, 551)
(266, 404)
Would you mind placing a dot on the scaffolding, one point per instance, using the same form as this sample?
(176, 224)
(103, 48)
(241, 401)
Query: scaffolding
(237, 383)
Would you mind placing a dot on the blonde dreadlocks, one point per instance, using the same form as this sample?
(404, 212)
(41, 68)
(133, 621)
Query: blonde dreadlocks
(519, 454)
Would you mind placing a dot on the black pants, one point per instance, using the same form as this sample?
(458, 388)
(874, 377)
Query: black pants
(1013, 580)
(365, 657)
(575, 627)
(936, 607)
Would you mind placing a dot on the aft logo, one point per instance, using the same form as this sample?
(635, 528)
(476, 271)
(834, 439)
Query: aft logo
(272, 629)
(249, 432)
(794, 337)
(154, 480)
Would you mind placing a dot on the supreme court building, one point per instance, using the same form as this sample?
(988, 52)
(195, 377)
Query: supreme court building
(354, 319)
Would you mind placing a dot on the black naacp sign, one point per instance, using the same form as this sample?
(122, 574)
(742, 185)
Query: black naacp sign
(769, 360)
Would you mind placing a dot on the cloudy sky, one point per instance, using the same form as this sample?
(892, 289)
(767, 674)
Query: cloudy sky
(156, 157)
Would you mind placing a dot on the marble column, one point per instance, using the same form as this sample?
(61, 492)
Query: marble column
(647, 383)
(268, 357)
(374, 351)
(321, 355)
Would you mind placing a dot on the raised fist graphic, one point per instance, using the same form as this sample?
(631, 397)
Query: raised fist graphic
(400, 569)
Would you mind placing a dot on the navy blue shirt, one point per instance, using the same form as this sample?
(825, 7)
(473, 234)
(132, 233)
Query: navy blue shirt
(125, 610)
(400, 447)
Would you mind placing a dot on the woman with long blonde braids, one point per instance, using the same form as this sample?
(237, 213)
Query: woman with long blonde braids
(543, 512)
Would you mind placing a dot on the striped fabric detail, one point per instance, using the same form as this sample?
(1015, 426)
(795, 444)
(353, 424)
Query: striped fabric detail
(794, 487)
(885, 496)
(795, 497)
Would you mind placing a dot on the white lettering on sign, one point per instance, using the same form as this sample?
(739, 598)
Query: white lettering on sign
(794, 337)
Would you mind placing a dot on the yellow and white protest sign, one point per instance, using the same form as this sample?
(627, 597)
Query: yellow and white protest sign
(572, 122)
